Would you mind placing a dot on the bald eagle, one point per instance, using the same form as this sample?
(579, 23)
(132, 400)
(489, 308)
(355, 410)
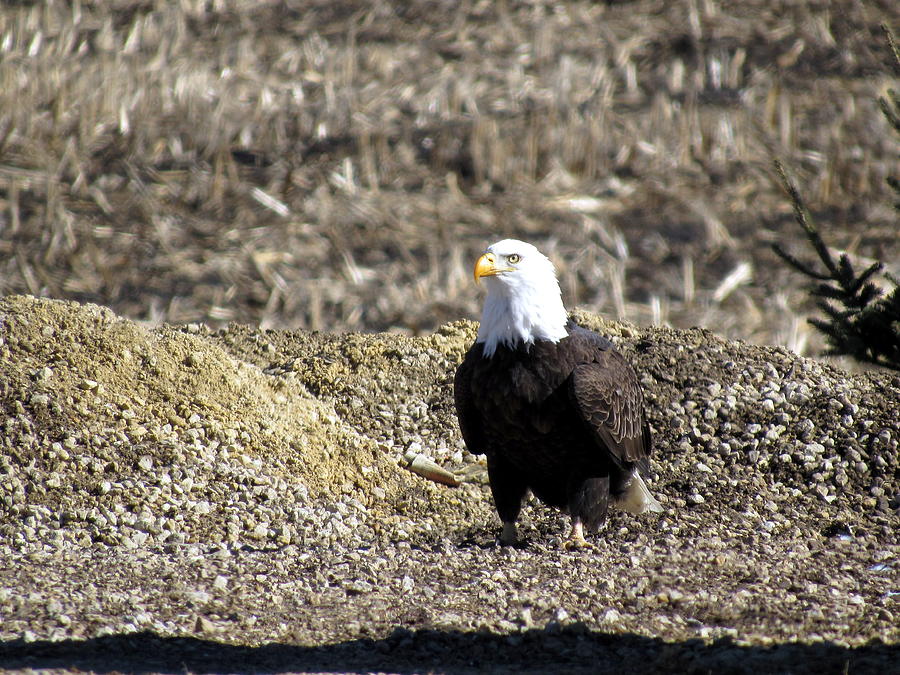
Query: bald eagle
(554, 407)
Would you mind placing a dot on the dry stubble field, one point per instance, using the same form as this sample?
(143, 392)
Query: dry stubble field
(337, 166)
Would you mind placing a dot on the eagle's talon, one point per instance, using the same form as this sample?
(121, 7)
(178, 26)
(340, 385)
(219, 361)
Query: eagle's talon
(576, 540)
(581, 544)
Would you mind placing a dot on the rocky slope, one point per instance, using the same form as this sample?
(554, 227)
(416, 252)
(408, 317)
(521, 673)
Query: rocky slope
(174, 497)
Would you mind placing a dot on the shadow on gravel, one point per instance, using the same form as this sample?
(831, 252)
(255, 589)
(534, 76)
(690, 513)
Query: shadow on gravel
(570, 650)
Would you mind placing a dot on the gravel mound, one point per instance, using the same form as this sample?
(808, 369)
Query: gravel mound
(165, 492)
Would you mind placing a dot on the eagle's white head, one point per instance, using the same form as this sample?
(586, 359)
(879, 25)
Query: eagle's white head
(523, 302)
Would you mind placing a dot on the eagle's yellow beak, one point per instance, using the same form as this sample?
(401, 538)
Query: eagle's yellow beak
(485, 266)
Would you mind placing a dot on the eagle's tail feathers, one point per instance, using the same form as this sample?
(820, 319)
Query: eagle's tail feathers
(637, 497)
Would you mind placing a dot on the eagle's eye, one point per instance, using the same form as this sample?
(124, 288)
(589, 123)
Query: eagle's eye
(513, 258)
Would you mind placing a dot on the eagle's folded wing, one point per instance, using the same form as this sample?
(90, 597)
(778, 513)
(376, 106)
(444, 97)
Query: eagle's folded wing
(608, 396)
(466, 412)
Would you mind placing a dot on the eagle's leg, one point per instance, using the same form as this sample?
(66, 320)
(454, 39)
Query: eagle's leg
(509, 489)
(508, 536)
(588, 503)
(576, 535)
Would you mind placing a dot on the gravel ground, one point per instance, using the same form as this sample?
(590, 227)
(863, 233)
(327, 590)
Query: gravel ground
(179, 499)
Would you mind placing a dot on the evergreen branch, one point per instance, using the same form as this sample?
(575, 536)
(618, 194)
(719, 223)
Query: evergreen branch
(892, 117)
(839, 316)
(893, 45)
(826, 291)
(800, 266)
(802, 217)
(859, 319)
(845, 271)
(867, 294)
(823, 326)
(873, 269)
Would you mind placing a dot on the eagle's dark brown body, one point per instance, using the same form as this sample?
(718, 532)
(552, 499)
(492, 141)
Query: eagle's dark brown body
(565, 420)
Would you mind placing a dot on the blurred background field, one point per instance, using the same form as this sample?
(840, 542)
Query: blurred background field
(338, 165)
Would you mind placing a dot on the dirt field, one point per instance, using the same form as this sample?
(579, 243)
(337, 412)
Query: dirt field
(179, 493)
